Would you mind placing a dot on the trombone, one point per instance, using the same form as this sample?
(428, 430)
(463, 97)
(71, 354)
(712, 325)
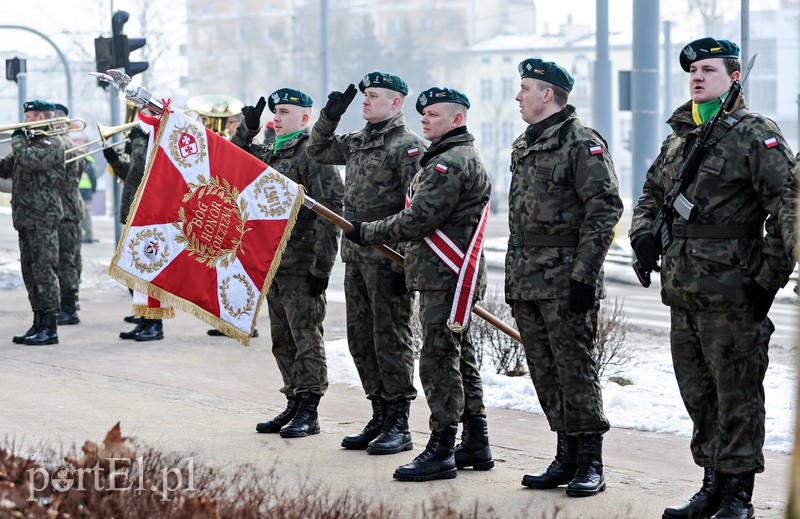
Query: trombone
(214, 110)
(105, 132)
(48, 127)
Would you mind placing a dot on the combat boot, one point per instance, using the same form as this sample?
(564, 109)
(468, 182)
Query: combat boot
(373, 428)
(152, 330)
(133, 333)
(588, 479)
(48, 332)
(68, 313)
(737, 497)
(436, 461)
(274, 425)
(562, 470)
(705, 502)
(474, 450)
(305, 421)
(37, 323)
(394, 436)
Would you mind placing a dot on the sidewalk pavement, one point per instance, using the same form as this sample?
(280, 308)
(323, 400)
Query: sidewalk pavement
(202, 396)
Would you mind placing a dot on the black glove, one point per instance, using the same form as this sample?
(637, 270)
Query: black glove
(397, 283)
(110, 154)
(316, 285)
(355, 235)
(128, 148)
(252, 114)
(761, 299)
(338, 102)
(581, 297)
(18, 131)
(646, 251)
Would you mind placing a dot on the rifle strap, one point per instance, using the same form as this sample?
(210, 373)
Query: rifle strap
(724, 125)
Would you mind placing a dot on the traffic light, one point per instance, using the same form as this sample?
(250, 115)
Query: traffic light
(103, 57)
(123, 46)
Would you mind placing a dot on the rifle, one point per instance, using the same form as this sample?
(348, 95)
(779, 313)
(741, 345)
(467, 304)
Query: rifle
(675, 201)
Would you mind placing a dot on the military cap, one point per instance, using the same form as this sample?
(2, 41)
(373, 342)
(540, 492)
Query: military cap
(289, 96)
(546, 71)
(37, 105)
(705, 48)
(435, 95)
(383, 80)
(59, 106)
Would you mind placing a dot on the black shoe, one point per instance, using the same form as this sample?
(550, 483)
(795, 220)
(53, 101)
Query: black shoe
(705, 502)
(737, 497)
(47, 334)
(589, 479)
(64, 318)
(474, 450)
(395, 436)
(135, 319)
(215, 333)
(361, 440)
(153, 331)
(37, 323)
(562, 470)
(435, 462)
(305, 421)
(133, 333)
(274, 425)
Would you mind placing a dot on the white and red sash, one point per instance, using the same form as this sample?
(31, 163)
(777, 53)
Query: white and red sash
(464, 264)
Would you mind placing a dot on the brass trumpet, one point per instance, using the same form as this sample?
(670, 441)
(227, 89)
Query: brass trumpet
(48, 127)
(105, 132)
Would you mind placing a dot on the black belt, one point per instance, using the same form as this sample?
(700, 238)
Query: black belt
(304, 225)
(369, 216)
(693, 230)
(544, 240)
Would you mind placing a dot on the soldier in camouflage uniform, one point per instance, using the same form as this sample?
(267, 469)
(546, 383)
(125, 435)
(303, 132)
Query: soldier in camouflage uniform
(563, 205)
(720, 275)
(296, 298)
(130, 170)
(449, 194)
(69, 232)
(381, 160)
(36, 169)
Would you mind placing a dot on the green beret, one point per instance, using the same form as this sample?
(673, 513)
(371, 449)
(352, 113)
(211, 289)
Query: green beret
(440, 95)
(59, 106)
(705, 48)
(383, 80)
(289, 96)
(546, 71)
(37, 105)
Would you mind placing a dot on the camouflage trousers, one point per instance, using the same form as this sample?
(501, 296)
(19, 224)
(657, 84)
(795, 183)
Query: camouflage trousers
(378, 332)
(69, 258)
(558, 346)
(38, 255)
(447, 367)
(296, 328)
(720, 360)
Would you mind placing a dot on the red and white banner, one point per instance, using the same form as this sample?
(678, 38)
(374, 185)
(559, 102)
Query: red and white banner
(208, 226)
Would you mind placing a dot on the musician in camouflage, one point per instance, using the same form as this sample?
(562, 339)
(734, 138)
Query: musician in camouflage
(36, 169)
(296, 297)
(129, 169)
(563, 205)
(69, 230)
(450, 193)
(381, 159)
(720, 275)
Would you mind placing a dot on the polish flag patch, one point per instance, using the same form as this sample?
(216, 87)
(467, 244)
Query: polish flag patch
(771, 142)
(595, 150)
(441, 168)
(413, 152)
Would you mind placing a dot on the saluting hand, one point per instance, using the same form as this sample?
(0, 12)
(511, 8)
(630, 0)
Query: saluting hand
(252, 114)
(338, 102)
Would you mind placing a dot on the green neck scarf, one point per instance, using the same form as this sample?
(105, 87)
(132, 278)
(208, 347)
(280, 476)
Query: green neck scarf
(705, 111)
(281, 139)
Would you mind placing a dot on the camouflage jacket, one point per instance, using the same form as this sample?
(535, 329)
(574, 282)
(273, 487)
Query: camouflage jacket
(448, 193)
(379, 167)
(314, 241)
(740, 181)
(131, 171)
(71, 198)
(788, 212)
(563, 187)
(36, 169)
